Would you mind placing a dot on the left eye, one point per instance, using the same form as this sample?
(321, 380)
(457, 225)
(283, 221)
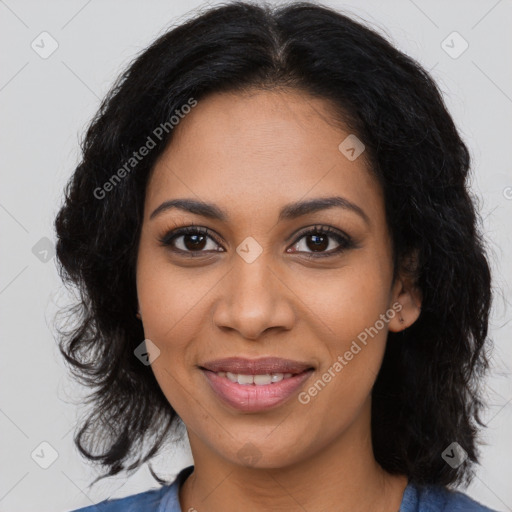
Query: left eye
(318, 240)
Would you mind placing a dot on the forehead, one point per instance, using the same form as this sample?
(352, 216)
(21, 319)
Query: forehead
(259, 150)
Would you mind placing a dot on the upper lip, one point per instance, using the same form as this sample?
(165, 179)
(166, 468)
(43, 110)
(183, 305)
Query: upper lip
(260, 366)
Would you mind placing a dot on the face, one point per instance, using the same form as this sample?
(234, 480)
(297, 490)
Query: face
(259, 276)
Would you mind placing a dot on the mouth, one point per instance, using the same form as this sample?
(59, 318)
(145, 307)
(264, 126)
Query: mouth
(255, 385)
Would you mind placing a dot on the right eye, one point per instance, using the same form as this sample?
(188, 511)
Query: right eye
(190, 240)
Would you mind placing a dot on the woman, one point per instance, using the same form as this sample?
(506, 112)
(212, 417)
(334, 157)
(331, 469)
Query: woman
(275, 246)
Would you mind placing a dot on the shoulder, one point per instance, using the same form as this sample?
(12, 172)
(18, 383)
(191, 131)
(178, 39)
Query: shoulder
(150, 501)
(164, 499)
(434, 498)
(457, 501)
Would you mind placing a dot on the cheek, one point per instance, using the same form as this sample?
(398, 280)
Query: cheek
(353, 348)
(348, 308)
(349, 299)
(170, 298)
(170, 303)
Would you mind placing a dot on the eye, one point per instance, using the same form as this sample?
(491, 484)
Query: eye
(319, 239)
(190, 240)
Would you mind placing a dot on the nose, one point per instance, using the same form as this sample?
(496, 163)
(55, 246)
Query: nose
(254, 299)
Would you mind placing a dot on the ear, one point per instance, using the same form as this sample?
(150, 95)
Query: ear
(406, 296)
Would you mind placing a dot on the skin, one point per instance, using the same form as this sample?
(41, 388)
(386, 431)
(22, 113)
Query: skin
(250, 154)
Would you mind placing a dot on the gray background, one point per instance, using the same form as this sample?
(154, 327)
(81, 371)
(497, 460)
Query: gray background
(45, 104)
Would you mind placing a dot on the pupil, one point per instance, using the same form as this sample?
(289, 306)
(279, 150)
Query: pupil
(319, 242)
(198, 242)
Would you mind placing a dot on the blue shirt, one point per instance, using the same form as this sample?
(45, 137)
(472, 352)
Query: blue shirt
(415, 499)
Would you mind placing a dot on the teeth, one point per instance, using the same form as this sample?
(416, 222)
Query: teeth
(232, 376)
(245, 379)
(262, 379)
(258, 380)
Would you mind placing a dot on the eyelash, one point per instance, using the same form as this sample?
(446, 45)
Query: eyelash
(345, 242)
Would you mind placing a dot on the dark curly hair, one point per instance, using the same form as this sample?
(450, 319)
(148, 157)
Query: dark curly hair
(427, 394)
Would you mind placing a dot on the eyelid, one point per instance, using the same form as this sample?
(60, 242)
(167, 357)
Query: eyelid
(175, 232)
(322, 228)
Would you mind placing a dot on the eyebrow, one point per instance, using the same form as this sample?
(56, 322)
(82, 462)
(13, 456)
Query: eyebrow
(288, 212)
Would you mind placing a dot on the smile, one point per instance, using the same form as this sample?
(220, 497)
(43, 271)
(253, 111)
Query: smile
(255, 393)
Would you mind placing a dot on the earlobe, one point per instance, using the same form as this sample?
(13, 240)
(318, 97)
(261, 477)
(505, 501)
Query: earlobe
(408, 309)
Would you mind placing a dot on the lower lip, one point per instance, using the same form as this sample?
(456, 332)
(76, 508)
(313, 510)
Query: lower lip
(252, 398)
